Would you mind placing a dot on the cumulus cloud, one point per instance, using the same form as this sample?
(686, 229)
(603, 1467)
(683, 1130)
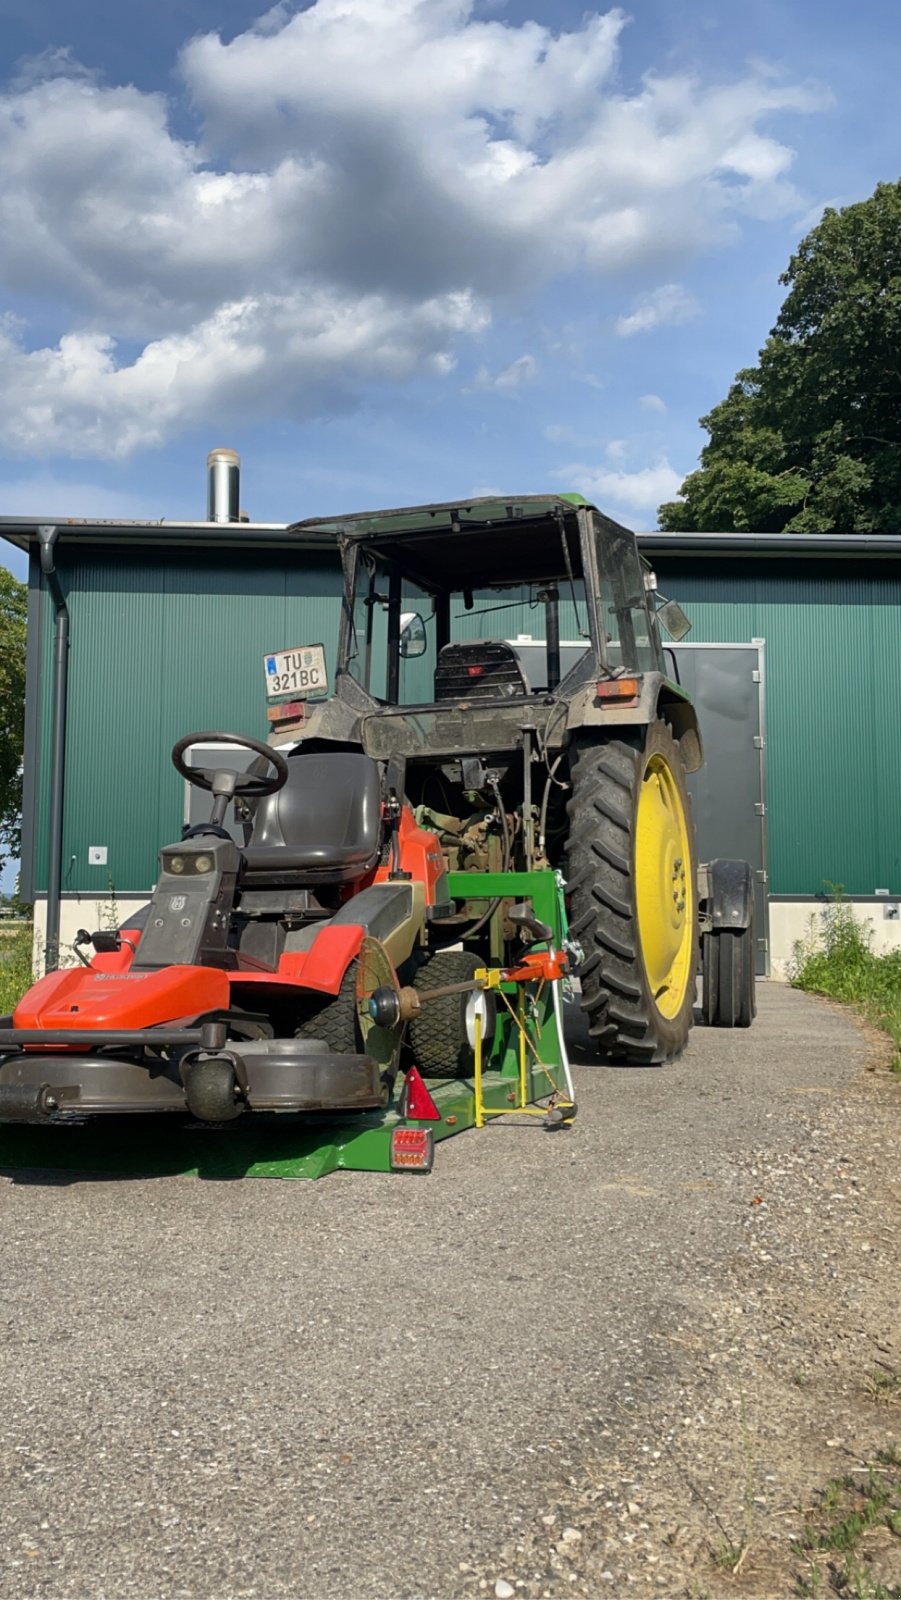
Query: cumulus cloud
(637, 493)
(669, 305)
(653, 402)
(368, 181)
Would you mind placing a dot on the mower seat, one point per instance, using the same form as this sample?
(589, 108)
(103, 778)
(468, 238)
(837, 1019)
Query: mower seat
(323, 826)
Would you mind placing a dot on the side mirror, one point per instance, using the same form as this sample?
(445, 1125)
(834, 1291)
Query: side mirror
(413, 640)
(674, 620)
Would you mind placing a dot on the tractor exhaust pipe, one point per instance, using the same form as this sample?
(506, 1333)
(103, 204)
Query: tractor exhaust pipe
(223, 472)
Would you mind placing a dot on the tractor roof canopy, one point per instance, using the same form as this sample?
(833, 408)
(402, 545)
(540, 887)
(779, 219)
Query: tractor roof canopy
(494, 542)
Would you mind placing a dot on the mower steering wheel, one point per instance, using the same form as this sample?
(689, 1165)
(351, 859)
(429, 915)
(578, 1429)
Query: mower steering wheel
(251, 784)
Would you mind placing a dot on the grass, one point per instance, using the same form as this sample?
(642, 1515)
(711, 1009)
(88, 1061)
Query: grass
(16, 970)
(884, 1383)
(850, 1510)
(838, 960)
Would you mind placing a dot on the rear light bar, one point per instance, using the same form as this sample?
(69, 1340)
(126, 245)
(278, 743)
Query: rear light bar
(412, 1150)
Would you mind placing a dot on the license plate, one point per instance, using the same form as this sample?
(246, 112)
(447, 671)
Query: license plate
(296, 672)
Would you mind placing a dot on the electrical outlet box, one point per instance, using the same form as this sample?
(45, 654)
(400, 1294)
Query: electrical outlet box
(97, 855)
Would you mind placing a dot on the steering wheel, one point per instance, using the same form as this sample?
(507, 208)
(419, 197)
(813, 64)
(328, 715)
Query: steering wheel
(252, 784)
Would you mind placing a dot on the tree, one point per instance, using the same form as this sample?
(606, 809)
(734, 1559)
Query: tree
(809, 440)
(13, 610)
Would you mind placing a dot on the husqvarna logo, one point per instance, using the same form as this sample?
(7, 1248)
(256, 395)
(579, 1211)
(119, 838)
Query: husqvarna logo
(178, 902)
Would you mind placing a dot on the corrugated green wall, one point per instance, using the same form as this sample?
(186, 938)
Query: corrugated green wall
(833, 697)
(163, 643)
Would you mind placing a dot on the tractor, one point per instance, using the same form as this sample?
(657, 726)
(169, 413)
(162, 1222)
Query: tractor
(564, 748)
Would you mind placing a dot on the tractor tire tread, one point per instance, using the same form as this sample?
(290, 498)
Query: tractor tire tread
(623, 1021)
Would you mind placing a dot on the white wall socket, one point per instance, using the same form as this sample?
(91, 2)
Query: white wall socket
(97, 855)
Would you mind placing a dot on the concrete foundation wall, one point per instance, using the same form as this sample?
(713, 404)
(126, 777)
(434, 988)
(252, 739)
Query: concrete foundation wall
(794, 920)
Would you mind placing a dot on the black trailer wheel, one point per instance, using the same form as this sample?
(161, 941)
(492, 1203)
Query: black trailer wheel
(442, 1036)
(729, 987)
(334, 1019)
(632, 880)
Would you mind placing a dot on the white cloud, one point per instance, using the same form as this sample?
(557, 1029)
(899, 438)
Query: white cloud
(371, 179)
(244, 359)
(523, 370)
(667, 306)
(636, 493)
(653, 402)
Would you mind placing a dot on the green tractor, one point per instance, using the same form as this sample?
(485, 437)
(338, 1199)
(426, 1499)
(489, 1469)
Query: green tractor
(502, 662)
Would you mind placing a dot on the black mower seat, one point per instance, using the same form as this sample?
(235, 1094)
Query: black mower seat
(324, 826)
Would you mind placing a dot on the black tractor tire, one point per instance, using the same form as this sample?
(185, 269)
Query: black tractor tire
(334, 1019)
(625, 1020)
(438, 1037)
(729, 988)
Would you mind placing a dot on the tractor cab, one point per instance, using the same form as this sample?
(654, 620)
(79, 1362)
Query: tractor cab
(437, 601)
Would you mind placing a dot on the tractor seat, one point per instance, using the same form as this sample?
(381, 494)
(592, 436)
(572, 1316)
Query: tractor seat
(479, 669)
(323, 826)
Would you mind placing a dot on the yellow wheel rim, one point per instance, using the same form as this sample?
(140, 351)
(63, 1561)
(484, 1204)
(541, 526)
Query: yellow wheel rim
(664, 889)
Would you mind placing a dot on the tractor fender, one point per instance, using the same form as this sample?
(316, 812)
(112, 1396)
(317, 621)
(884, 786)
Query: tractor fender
(683, 719)
(730, 894)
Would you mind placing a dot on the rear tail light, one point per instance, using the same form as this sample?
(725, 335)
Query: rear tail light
(412, 1150)
(618, 689)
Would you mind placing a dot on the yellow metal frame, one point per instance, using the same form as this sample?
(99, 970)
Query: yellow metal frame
(492, 978)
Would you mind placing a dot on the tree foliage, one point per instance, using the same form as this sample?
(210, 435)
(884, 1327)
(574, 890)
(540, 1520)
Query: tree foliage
(13, 609)
(809, 440)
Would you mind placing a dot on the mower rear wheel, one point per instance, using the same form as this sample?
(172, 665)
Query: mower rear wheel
(442, 1036)
(632, 881)
(334, 1019)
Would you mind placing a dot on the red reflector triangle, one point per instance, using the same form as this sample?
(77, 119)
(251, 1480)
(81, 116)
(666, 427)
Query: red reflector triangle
(418, 1103)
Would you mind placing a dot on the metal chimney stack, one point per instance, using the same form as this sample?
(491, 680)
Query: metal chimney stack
(223, 470)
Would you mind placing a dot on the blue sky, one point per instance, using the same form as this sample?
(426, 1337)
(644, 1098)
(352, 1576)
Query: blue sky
(401, 250)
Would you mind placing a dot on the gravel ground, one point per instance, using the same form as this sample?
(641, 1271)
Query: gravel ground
(569, 1364)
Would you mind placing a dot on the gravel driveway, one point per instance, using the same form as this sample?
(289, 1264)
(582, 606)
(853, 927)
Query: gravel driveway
(499, 1378)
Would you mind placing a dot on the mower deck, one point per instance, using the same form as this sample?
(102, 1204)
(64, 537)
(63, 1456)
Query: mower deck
(258, 1148)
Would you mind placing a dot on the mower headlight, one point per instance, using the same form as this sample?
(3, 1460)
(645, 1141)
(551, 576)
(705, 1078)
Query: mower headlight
(176, 863)
(202, 863)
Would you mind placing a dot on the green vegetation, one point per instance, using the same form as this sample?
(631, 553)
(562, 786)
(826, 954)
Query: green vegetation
(13, 610)
(838, 961)
(16, 971)
(809, 440)
(843, 1532)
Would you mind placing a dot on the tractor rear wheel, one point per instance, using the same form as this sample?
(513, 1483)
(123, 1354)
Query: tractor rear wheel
(632, 881)
(442, 1037)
